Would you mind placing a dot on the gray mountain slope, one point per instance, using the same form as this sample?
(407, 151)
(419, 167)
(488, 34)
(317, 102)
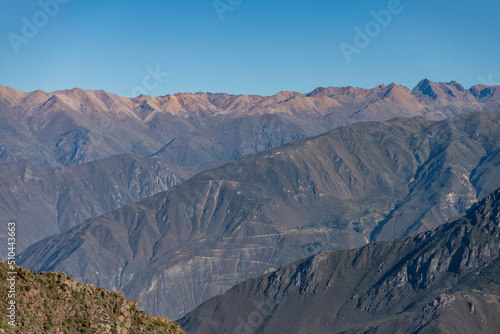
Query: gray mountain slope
(446, 280)
(45, 202)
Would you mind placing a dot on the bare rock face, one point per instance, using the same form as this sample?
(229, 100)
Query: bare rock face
(446, 280)
(54, 303)
(360, 183)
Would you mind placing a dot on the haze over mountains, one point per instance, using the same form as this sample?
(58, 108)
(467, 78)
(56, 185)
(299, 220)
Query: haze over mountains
(365, 182)
(442, 281)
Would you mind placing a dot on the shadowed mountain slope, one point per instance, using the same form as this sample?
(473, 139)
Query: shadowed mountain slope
(71, 127)
(368, 181)
(47, 202)
(446, 280)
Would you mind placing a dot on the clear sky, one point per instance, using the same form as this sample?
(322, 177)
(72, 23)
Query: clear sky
(249, 46)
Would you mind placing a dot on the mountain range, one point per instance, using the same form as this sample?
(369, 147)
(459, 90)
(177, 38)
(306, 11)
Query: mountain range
(364, 182)
(198, 131)
(446, 280)
(71, 127)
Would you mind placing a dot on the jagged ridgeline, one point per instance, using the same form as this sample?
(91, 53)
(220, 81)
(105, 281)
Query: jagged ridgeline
(71, 127)
(446, 280)
(54, 303)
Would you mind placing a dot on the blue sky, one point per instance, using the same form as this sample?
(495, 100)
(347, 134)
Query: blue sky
(260, 47)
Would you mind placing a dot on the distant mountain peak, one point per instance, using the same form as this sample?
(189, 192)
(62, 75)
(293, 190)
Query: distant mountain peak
(483, 91)
(285, 95)
(316, 91)
(424, 82)
(456, 85)
(427, 88)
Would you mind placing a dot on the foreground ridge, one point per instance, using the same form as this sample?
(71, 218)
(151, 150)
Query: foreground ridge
(54, 303)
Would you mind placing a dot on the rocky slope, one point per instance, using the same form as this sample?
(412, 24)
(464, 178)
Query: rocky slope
(355, 184)
(46, 202)
(76, 126)
(54, 303)
(446, 280)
